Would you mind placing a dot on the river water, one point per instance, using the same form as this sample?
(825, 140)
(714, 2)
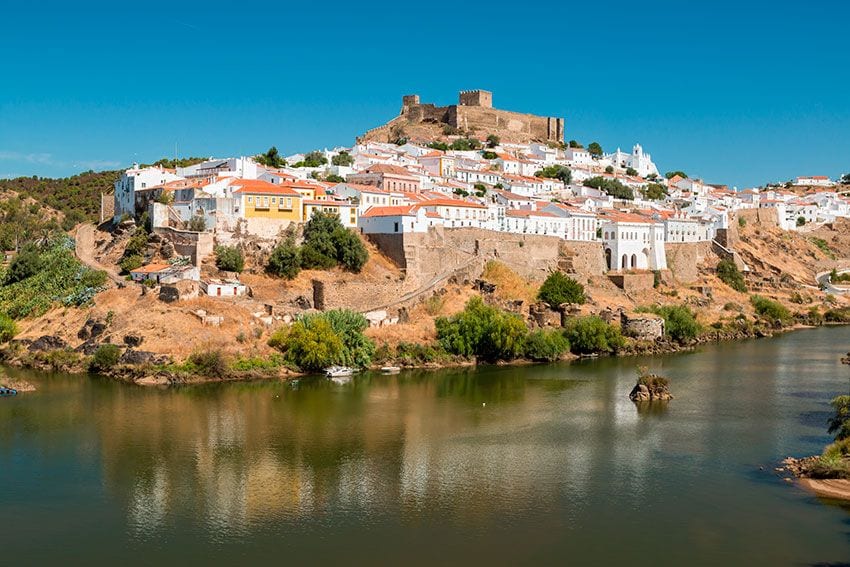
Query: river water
(499, 465)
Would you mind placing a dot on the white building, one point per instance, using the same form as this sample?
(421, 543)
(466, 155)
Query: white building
(134, 179)
(633, 242)
(637, 160)
(223, 288)
(815, 181)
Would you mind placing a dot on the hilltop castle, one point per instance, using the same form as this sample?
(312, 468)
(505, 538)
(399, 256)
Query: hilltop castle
(473, 113)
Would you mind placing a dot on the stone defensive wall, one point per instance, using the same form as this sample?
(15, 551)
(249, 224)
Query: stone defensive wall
(425, 256)
(768, 216)
(528, 126)
(684, 259)
(195, 245)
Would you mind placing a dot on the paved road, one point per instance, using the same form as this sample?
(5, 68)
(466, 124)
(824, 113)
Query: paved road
(823, 282)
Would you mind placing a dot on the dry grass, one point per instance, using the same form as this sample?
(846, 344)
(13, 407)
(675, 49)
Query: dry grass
(509, 284)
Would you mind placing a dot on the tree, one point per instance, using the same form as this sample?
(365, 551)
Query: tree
(350, 251)
(594, 149)
(442, 146)
(229, 259)
(560, 172)
(680, 323)
(609, 169)
(845, 179)
(558, 289)
(610, 186)
(493, 141)
(343, 158)
(839, 423)
(482, 331)
(489, 155)
(632, 172)
(310, 343)
(197, 223)
(333, 178)
(672, 174)
(357, 348)
(285, 260)
(575, 144)
(25, 264)
(801, 221)
(271, 158)
(654, 192)
(314, 159)
(546, 345)
(591, 335)
(465, 144)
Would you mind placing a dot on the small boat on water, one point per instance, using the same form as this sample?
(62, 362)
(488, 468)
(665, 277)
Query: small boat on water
(390, 369)
(338, 371)
(7, 392)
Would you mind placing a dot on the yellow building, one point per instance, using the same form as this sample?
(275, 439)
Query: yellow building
(347, 212)
(261, 199)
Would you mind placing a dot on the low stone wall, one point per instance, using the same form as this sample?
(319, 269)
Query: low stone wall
(642, 326)
(633, 282)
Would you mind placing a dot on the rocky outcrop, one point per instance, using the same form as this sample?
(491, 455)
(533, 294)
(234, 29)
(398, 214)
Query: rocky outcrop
(47, 343)
(541, 315)
(92, 329)
(650, 388)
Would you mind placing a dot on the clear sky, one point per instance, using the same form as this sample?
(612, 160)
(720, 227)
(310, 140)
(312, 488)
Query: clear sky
(739, 92)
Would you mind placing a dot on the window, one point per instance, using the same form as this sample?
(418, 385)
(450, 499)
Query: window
(250, 199)
(274, 200)
(395, 227)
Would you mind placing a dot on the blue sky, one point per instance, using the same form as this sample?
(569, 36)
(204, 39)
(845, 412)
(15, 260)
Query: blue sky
(735, 92)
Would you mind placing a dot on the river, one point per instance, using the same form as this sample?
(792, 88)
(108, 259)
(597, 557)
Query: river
(501, 465)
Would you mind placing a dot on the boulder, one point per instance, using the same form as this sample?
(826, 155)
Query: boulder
(47, 343)
(302, 302)
(135, 357)
(650, 388)
(541, 315)
(133, 340)
(88, 348)
(92, 328)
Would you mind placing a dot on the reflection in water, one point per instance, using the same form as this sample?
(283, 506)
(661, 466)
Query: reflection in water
(557, 452)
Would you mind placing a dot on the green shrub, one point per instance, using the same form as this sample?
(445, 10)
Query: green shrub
(558, 289)
(482, 331)
(434, 304)
(211, 363)
(742, 222)
(229, 259)
(729, 274)
(249, 363)
(285, 260)
(546, 345)
(350, 251)
(680, 323)
(592, 335)
(837, 315)
(318, 340)
(130, 263)
(839, 423)
(327, 243)
(25, 264)
(823, 246)
(310, 344)
(105, 357)
(8, 329)
(771, 310)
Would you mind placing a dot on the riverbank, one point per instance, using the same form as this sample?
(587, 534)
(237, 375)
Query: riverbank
(134, 366)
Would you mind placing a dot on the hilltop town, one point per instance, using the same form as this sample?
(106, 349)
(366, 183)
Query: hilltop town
(445, 202)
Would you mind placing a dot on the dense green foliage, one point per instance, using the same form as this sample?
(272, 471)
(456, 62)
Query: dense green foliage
(61, 280)
(672, 174)
(271, 158)
(559, 288)
(611, 186)
(486, 154)
(545, 345)
(680, 322)
(823, 246)
(105, 357)
(482, 331)
(343, 158)
(632, 172)
(229, 259)
(493, 141)
(318, 340)
(77, 197)
(560, 172)
(312, 159)
(134, 251)
(328, 243)
(770, 309)
(654, 192)
(465, 144)
(25, 264)
(592, 335)
(442, 146)
(729, 274)
(839, 423)
(8, 329)
(173, 163)
(594, 149)
(575, 144)
(285, 260)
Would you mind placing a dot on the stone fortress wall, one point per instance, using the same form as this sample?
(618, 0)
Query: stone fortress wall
(474, 112)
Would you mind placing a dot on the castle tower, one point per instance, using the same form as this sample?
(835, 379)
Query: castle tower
(476, 98)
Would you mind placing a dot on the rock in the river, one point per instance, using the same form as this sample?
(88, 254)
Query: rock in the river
(650, 388)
